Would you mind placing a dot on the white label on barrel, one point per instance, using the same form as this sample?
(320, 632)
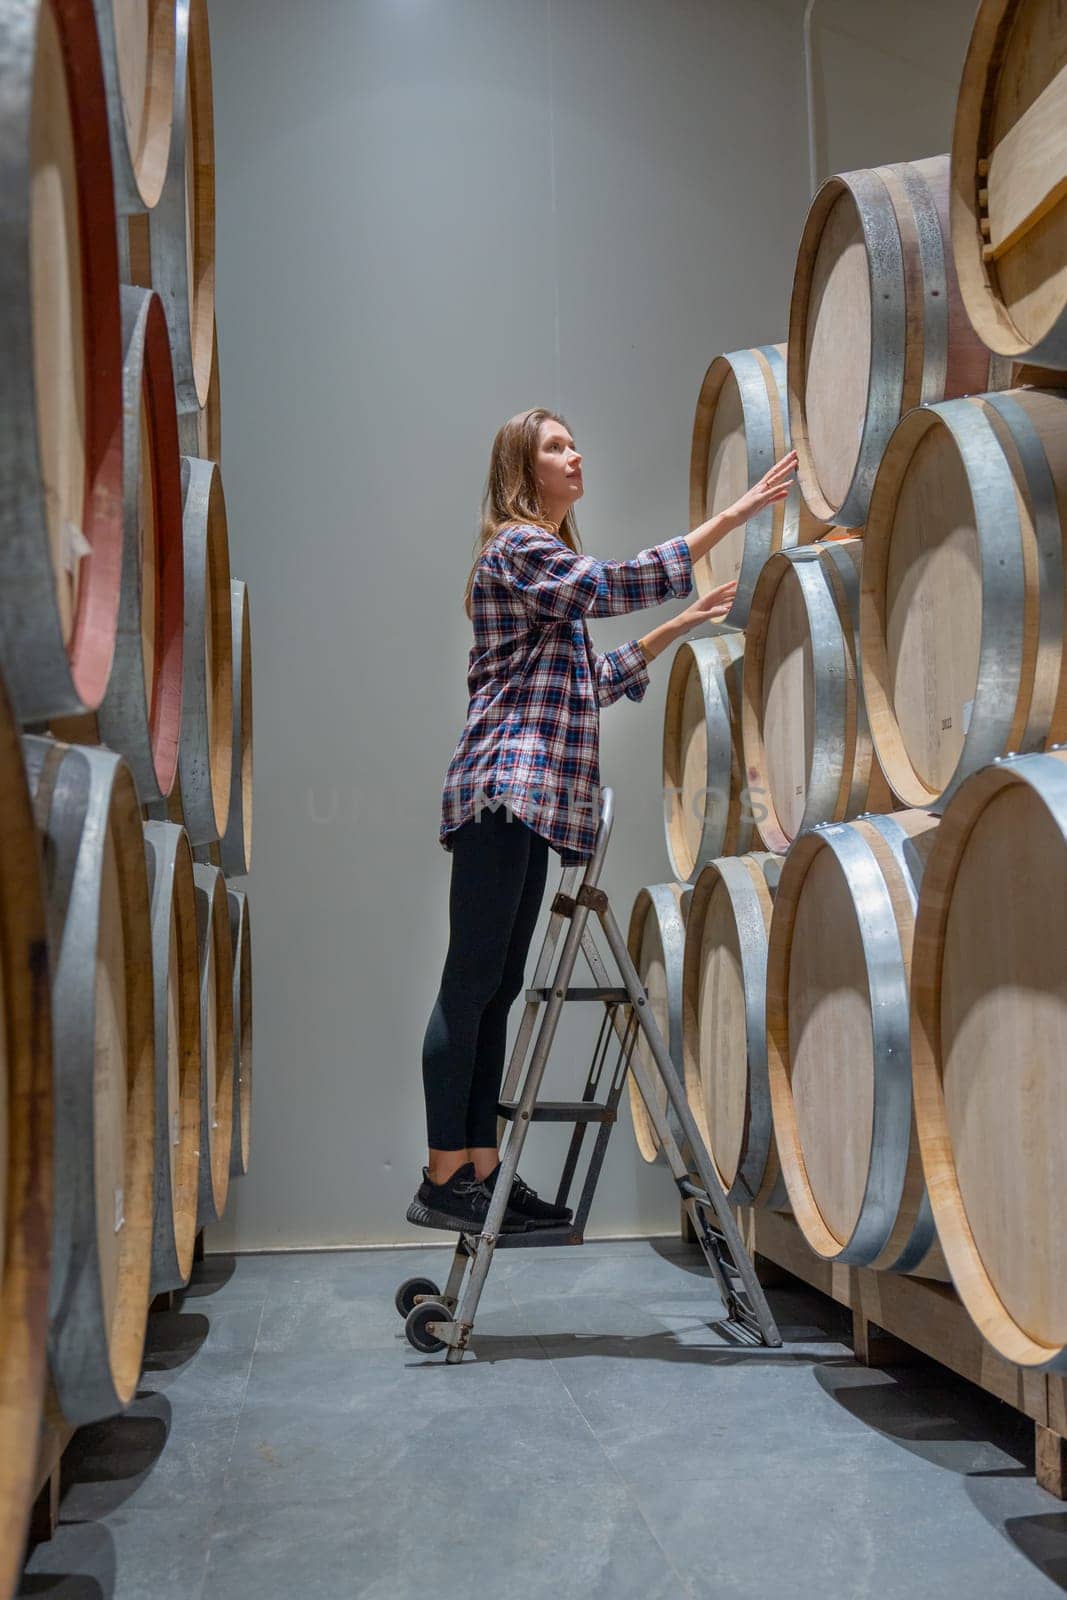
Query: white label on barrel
(968, 712)
(174, 1127)
(73, 546)
(119, 1218)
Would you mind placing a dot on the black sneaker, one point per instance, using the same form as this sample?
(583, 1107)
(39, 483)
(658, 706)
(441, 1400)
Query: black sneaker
(460, 1204)
(526, 1203)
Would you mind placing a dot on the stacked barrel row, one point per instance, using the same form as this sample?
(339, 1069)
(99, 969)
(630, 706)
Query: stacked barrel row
(125, 711)
(872, 1015)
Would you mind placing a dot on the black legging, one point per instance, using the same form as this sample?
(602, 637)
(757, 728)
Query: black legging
(499, 867)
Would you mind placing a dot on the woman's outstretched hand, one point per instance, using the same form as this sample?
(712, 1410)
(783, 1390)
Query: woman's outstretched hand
(774, 485)
(711, 607)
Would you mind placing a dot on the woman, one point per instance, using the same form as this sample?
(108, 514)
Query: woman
(524, 777)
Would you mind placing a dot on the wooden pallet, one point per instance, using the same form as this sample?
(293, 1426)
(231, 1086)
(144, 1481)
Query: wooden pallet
(893, 1315)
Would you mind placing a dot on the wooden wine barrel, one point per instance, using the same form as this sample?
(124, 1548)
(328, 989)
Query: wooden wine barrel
(237, 839)
(723, 1024)
(167, 809)
(216, 1041)
(656, 942)
(205, 759)
(988, 1042)
(26, 1132)
(201, 431)
(1009, 180)
(962, 628)
(211, 414)
(807, 746)
(61, 379)
(740, 430)
(100, 941)
(839, 964)
(240, 938)
(176, 985)
(137, 47)
(140, 715)
(706, 811)
(876, 326)
(172, 248)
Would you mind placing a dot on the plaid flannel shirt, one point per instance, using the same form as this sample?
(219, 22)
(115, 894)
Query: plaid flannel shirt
(531, 738)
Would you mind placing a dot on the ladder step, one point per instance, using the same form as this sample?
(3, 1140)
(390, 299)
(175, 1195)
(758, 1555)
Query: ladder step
(535, 1237)
(560, 1111)
(618, 996)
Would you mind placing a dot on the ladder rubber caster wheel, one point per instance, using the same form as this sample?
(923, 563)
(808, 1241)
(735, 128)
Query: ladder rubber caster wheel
(417, 1330)
(405, 1295)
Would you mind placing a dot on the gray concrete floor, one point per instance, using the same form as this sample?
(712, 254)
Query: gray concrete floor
(607, 1442)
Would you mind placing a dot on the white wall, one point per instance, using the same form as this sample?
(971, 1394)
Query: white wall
(886, 77)
(432, 214)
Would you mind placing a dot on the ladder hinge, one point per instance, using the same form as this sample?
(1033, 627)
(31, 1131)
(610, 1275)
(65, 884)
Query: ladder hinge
(563, 905)
(595, 899)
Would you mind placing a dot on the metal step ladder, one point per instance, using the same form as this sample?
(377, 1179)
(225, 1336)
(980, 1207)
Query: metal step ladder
(436, 1320)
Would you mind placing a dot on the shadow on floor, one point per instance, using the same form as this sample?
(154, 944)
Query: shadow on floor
(208, 1276)
(79, 1564)
(936, 1415)
(173, 1338)
(62, 1586)
(1043, 1541)
(661, 1347)
(120, 1453)
(930, 1412)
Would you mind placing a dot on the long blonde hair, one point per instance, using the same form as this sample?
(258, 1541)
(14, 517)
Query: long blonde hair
(511, 495)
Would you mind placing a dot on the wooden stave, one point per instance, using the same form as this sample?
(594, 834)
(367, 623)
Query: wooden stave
(213, 922)
(170, 874)
(240, 936)
(750, 882)
(26, 1158)
(761, 380)
(1047, 711)
(885, 389)
(236, 841)
(867, 790)
(999, 538)
(669, 903)
(718, 662)
(1046, 774)
(892, 203)
(201, 431)
(210, 422)
(78, 793)
(165, 225)
(989, 315)
(43, 677)
(139, 181)
(148, 735)
(845, 778)
(877, 1239)
(204, 773)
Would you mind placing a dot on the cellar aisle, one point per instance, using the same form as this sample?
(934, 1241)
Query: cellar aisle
(286, 1441)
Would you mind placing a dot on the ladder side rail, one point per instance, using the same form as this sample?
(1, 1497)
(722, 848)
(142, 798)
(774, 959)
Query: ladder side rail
(516, 1138)
(602, 980)
(589, 1093)
(676, 1093)
(590, 876)
(541, 972)
(600, 1147)
(679, 1170)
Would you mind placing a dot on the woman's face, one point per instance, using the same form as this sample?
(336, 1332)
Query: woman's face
(558, 469)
